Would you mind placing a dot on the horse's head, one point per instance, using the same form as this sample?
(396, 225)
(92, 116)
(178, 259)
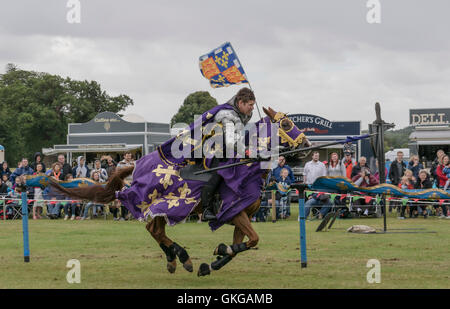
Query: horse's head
(290, 136)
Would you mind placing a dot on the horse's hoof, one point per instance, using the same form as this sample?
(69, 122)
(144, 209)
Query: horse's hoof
(221, 250)
(171, 266)
(203, 270)
(188, 266)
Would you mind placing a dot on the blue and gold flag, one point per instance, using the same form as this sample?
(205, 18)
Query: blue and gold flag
(222, 67)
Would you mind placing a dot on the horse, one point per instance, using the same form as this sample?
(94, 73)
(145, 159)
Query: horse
(159, 195)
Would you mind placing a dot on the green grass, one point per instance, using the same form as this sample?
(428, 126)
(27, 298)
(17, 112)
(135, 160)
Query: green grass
(123, 255)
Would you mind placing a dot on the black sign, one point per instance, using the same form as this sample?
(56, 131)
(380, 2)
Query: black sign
(313, 125)
(106, 122)
(429, 117)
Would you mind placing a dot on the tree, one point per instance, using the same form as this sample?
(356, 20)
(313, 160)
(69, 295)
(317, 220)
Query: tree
(36, 107)
(195, 104)
(397, 138)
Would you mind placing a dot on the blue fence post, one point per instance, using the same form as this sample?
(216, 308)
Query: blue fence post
(26, 247)
(301, 215)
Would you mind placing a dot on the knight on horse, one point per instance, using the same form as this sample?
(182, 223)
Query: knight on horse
(161, 194)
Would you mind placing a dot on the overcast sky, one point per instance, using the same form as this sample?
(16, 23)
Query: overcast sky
(315, 57)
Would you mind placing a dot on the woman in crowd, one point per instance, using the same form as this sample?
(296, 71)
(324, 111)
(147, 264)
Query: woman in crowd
(72, 206)
(5, 169)
(422, 183)
(38, 197)
(95, 177)
(407, 183)
(415, 166)
(335, 167)
(54, 208)
(55, 171)
(442, 180)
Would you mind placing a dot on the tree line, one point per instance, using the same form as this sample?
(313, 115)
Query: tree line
(36, 108)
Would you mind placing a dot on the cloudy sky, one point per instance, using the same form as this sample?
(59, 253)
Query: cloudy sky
(317, 57)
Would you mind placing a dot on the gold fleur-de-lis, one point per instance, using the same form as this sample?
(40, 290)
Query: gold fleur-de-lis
(168, 173)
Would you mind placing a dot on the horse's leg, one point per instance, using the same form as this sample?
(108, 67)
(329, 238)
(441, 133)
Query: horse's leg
(226, 253)
(157, 228)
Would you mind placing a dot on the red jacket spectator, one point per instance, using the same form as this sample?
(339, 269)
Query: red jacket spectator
(442, 178)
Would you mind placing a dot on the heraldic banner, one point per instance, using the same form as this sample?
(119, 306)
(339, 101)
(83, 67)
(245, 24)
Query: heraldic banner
(222, 67)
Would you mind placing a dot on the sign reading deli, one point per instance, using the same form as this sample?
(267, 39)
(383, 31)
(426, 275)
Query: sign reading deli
(429, 117)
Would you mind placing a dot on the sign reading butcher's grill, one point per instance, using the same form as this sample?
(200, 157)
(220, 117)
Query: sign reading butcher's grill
(429, 117)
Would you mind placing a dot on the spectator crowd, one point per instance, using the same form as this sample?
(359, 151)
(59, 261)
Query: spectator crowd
(411, 175)
(56, 205)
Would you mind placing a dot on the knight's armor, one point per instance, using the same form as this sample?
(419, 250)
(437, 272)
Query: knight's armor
(233, 122)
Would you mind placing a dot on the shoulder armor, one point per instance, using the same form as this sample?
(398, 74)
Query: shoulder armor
(227, 115)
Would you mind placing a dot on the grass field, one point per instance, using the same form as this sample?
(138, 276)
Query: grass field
(123, 255)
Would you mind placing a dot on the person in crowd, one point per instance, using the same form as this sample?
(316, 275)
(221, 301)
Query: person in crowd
(442, 180)
(24, 169)
(127, 161)
(5, 169)
(81, 170)
(349, 162)
(95, 177)
(282, 164)
(283, 184)
(364, 179)
(66, 168)
(439, 155)
(108, 164)
(101, 171)
(410, 175)
(415, 166)
(406, 182)
(55, 171)
(335, 167)
(349, 147)
(5, 180)
(314, 169)
(4, 187)
(377, 172)
(322, 201)
(357, 169)
(446, 172)
(423, 182)
(15, 194)
(38, 160)
(397, 169)
(71, 206)
(54, 206)
(38, 197)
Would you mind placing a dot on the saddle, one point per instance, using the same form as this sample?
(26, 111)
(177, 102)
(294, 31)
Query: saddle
(188, 171)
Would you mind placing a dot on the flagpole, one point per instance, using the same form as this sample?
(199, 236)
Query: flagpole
(249, 85)
(256, 102)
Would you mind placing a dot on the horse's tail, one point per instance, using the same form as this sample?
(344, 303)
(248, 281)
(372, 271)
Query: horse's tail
(97, 193)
